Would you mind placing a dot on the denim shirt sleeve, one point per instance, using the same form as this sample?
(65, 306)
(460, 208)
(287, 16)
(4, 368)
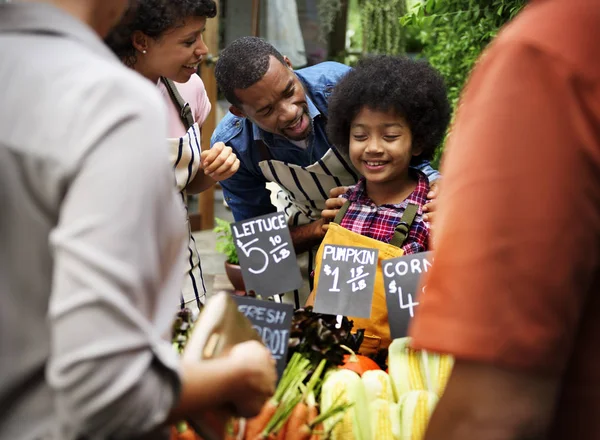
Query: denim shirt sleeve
(426, 168)
(247, 195)
(245, 192)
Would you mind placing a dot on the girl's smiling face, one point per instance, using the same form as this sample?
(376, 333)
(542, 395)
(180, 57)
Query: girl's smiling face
(381, 147)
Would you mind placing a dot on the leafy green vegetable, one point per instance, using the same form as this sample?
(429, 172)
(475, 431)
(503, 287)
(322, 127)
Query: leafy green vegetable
(225, 243)
(317, 337)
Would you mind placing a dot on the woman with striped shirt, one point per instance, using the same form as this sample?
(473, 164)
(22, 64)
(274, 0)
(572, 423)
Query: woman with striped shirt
(162, 40)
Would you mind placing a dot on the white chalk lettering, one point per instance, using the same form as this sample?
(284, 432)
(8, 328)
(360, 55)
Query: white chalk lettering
(426, 264)
(252, 312)
(401, 268)
(275, 340)
(387, 269)
(415, 266)
(275, 316)
(251, 227)
(349, 255)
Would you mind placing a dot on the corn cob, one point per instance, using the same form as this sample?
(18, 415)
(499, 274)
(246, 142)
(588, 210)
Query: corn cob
(395, 420)
(381, 420)
(440, 367)
(345, 386)
(405, 367)
(378, 385)
(416, 408)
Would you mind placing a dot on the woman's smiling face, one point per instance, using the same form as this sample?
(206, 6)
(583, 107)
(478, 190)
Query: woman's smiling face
(177, 53)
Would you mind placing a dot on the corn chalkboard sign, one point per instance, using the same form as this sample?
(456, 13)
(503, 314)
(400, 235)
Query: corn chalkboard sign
(267, 257)
(272, 321)
(402, 277)
(346, 281)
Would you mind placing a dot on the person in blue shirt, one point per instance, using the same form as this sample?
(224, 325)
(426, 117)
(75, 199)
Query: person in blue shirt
(276, 126)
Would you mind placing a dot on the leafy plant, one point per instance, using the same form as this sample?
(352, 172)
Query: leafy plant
(224, 242)
(380, 25)
(327, 11)
(453, 34)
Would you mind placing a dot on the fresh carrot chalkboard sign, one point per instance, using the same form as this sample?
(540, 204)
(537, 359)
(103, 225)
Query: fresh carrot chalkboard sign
(272, 321)
(267, 257)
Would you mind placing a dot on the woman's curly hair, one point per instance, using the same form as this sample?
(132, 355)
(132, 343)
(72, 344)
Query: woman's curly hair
(154, 18)
(410, 88)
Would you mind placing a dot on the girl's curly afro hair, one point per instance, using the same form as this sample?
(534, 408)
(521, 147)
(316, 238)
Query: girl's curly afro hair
(410, 88)
(153, 18)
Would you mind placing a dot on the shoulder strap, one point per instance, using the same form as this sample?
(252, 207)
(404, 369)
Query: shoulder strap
(263, 151)
(185, 112)
(401, 232)
(341, 213)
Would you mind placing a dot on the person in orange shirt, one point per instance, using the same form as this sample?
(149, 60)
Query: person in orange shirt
(513, 292)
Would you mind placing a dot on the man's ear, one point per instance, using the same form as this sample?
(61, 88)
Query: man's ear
(288, 62)
(139, 40)
(236, 111)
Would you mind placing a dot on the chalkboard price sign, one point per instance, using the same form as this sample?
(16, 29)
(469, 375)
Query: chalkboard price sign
(272, 321)
(346, 281)
(266, 254)
(402, 276)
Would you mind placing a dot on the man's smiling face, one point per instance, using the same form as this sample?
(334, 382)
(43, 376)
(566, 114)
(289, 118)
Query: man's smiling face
(277, 103)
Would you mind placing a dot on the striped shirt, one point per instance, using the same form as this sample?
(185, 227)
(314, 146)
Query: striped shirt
(185, 148)
(379, 222)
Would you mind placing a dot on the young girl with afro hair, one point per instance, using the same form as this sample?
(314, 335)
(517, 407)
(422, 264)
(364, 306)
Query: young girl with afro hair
(385, 114)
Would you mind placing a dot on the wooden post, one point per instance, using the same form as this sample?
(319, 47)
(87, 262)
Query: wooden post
(205, 218)
(337, 37)
(255, 18)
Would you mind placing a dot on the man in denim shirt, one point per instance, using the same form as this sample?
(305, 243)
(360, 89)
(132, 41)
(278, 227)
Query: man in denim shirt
(276, 126)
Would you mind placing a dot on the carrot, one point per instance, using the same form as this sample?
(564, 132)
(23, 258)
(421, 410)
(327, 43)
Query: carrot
(262, 436)
(283, 431)
(317, 433)
(256, 425)
(182, 431)
(313, 413)
(304, 433)
(233, 430)
(298, 418)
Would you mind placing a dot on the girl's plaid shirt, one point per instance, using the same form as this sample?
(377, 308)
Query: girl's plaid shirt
(379, 222)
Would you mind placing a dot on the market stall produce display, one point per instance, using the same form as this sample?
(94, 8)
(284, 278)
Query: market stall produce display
(330, 391)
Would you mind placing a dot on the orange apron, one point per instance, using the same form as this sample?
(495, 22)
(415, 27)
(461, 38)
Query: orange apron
(377, 330)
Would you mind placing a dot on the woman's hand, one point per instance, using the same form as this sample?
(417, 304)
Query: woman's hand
(238, 383)
(333, 205)
(220, 162)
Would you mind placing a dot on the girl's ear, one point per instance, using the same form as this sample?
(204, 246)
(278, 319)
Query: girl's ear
(416, 150)
(139, 40)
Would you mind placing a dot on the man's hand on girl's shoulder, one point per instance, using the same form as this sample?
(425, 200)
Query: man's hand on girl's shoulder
(431, 206)
(333, 205)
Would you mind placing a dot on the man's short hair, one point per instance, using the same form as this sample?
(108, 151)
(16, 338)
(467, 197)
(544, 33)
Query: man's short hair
(242, 64)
